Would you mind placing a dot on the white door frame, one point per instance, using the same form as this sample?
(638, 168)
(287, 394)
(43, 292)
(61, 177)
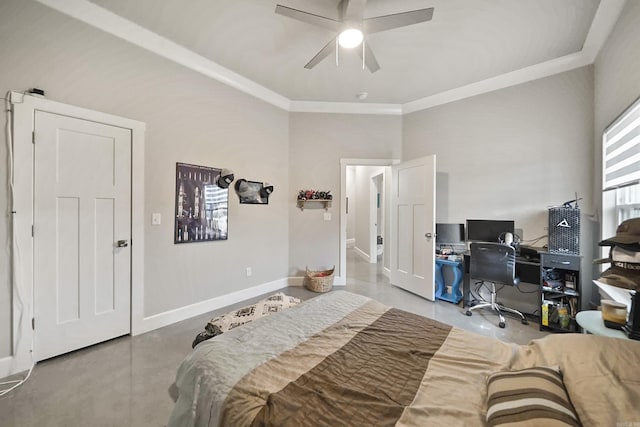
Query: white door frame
(373, 214)
(343, 203)
(24, 107)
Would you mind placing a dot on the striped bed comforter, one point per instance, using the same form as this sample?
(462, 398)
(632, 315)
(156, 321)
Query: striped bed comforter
(342, 359)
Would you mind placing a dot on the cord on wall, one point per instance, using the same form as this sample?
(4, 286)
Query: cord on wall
(12, 246)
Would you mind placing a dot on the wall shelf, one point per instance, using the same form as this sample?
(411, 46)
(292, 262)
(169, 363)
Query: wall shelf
(314, 202)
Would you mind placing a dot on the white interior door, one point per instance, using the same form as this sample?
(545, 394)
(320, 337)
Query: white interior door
(82, 208)
(413, 200)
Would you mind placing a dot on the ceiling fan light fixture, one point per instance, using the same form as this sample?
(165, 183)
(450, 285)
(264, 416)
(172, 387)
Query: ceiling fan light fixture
(350, 38)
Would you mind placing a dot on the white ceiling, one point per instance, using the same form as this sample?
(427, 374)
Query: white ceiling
(467, 44)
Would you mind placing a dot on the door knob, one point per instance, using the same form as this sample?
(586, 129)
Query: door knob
(122, 243)
(428, 235)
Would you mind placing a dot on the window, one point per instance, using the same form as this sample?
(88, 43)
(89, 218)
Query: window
(621, 170)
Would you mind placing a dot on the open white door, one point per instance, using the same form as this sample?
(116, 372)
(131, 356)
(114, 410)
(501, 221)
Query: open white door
(413, 211)
(82, 222)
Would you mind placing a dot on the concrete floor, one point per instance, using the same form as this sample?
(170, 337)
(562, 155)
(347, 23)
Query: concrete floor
(127, 381)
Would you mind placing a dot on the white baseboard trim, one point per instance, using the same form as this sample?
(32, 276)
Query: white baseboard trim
(11, 365)
(361, 253)
(5, 366)
(172, 316)
(296, 281)
(351, 243)
(299, 281)
(339, 281)
(387, 272)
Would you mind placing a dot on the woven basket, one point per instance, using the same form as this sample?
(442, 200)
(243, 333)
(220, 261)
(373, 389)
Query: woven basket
(319, 281)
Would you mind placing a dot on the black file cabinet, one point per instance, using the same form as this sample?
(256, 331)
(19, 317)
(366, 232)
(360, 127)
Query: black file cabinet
(559, 292)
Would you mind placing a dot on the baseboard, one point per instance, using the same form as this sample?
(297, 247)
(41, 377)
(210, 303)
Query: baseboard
(386, 272)
(296, 281)
(351, 243)
(339, 281)
(5, 366)
(361, 253)
(172, 316)
(299, 281)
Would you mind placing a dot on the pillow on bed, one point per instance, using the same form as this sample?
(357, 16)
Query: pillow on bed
(529, 397)
(218, 325)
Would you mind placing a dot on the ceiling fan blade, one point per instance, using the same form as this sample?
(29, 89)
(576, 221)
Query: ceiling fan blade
(309, 18)
(327, 50)
(352, 10)
(388, 22)
(369, 58)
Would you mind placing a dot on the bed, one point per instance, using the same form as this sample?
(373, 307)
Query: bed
(344, 359)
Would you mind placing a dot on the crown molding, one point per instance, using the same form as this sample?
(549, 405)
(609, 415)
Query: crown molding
(523, 75)
(118, 26)
(603, 23)
(345, 108)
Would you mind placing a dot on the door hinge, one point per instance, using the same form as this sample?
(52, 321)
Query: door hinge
(33, 137)
(32, 231)
(33, 323)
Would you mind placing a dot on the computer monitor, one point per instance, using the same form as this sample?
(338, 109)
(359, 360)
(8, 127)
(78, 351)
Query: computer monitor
(488, 230)
(449, 234)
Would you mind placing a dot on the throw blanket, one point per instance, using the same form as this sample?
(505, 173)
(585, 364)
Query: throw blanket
(265, 307)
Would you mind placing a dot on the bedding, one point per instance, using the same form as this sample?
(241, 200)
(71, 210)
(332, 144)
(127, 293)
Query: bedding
(342, 359)
(265, 307)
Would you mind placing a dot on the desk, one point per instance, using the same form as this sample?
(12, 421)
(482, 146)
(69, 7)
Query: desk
(528, 270)
(591, 322)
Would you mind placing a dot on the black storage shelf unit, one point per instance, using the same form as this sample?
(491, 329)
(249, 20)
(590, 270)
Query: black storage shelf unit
(559, 292)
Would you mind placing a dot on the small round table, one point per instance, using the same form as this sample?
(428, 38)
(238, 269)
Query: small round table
(591, 322)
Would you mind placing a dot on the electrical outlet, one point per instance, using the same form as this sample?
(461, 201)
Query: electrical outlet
(327, 216)
(249, 272)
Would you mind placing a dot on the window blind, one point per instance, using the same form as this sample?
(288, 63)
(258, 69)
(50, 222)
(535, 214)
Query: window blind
(621, 150)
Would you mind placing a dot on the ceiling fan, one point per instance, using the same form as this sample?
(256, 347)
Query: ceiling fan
(352, 28)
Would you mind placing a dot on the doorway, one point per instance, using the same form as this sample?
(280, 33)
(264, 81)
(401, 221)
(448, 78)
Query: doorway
(26, 110)
(365, 213)
(360, 204)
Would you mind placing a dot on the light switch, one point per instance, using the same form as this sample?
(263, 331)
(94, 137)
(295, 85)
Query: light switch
(156, 219)
(327, 216)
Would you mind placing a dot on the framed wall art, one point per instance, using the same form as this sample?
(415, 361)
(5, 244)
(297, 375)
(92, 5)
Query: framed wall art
(251, 192)
(201, 205)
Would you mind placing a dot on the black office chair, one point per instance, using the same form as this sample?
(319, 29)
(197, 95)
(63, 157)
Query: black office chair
(494, 263)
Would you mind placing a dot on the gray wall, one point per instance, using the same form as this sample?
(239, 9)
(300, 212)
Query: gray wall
(616, 79)
(317, 143)
(511, 153)
(190, 118)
